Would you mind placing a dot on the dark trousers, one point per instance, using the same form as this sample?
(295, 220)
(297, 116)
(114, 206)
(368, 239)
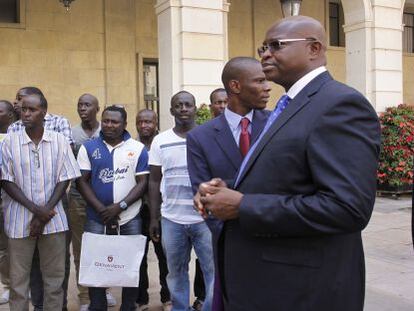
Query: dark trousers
(36, 280)
(199, 287)
(143, 298)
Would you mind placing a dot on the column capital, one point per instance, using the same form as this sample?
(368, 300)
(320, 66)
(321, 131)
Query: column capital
(357, 26)
(222, 5)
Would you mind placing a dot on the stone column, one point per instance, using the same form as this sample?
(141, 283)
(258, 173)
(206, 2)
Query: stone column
(192, 45)
(373, 31)
(387, 75)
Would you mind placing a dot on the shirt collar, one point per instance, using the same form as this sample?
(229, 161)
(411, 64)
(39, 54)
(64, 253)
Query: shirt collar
(125, 137)
(304, 81)
(26, 139)
(234, 119)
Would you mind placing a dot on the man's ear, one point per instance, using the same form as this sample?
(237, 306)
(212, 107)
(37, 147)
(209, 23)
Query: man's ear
(315, 49)
(234, 86)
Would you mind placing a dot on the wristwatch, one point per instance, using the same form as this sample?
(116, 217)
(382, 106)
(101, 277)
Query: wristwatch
(123, 205)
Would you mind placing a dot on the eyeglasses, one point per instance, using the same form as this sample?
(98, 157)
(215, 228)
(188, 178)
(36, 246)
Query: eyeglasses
(36, 157)
(276, 45)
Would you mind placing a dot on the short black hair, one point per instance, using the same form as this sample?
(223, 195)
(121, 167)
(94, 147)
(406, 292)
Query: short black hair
(42, 99)
(234, 68)
(9, 105)
(118, 108)
(32, 90)
(220, 89)
(180, 93)
(146, 110)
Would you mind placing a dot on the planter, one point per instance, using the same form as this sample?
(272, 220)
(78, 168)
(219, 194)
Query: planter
(394, 191)
(397, 150)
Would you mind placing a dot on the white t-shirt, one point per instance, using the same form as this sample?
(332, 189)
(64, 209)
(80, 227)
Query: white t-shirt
(169, 151)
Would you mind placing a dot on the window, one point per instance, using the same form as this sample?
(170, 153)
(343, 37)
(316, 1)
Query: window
(336, 21)
(9, 10)
(408, 35)
(12, 13)
(151, 97)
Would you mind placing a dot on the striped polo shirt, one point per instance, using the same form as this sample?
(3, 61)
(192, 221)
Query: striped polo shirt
(169, 151)
(113, 171)
(36, 170)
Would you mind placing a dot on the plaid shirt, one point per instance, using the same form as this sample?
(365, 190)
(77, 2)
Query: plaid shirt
(52, 122)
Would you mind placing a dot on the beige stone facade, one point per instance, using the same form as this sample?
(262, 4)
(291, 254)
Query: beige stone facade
(100, 47)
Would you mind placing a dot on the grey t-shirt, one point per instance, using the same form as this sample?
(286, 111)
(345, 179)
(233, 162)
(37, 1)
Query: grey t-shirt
(79, 138)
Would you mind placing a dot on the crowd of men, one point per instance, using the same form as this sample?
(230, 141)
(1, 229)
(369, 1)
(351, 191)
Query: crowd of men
(272, 202)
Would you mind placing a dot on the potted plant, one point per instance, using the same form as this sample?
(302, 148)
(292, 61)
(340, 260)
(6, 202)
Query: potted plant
(203, 114)
(395, 171)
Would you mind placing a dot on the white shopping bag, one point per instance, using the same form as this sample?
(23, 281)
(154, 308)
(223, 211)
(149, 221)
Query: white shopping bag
(111, 260)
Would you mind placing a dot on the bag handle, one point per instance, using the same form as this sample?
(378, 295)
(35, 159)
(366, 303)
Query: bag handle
(118, 230)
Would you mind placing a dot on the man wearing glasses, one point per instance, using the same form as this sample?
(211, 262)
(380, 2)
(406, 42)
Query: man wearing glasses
(305, 189)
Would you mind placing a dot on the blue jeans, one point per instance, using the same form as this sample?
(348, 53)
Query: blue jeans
(177, 241)
(97, 295)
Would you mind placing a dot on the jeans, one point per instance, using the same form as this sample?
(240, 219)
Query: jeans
(199, 290)
(97, 295)
(177, 240)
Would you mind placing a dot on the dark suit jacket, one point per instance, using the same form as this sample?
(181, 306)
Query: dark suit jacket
(309, 190)
(213, 152)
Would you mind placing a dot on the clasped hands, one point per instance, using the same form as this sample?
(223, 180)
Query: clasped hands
(41, 216)
(215, 199)
(110, 213)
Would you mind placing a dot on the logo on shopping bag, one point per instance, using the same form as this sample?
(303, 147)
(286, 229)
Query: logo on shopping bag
(110, 258)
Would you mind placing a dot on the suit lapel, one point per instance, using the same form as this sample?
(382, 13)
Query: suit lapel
(295, 105)
(226, 141)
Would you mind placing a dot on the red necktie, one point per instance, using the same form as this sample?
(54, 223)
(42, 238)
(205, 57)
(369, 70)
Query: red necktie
(244, 142)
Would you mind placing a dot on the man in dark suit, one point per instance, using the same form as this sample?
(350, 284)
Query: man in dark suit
(305, 190)
(213, 149)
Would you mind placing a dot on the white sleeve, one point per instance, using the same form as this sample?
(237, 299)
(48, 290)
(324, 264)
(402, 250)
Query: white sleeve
(7, 172)
(155, 153)
(83, 159)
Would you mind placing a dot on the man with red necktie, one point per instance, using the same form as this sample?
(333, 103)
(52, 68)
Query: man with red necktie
(217, 148)
(305, 190)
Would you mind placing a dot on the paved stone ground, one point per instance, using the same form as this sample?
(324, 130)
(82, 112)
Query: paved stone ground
(389, 261)
(389, 257)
